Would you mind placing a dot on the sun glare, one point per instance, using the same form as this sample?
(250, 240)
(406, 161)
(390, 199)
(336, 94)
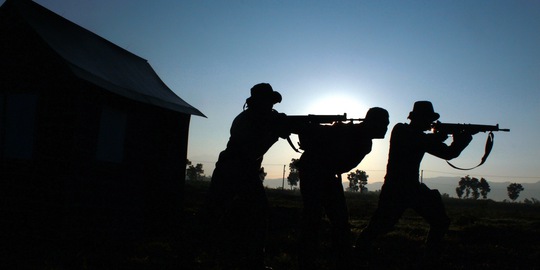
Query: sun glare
(338, 104)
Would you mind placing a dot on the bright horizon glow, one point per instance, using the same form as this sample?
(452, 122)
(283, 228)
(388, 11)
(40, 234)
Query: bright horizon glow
(333, 104)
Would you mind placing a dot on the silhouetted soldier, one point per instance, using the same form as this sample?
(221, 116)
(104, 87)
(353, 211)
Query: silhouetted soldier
(330, 151)
(237, 199)
(402, 189)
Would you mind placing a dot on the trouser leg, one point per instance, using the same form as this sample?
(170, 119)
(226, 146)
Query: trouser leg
(431, 207)
(242, 229)
(387, 214)
(338, 214)
(310, 224)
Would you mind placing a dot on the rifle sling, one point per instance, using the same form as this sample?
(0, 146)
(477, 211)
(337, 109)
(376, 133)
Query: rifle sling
(489, 145)
(292, 145)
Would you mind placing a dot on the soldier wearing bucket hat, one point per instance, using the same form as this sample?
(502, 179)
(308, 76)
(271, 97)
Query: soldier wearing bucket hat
(263, 93)
(423, 110)
(402, 189)
(237, 204)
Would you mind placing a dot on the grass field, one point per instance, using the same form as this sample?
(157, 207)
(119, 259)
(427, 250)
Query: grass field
(483, 235)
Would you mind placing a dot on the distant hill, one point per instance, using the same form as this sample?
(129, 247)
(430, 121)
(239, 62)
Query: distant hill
(448, 185)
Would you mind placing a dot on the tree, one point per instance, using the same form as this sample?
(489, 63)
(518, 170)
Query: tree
(468, 187)
(472, 187)
(293, 177)
(194, 172)
(513, 190)
(484, 188)
(532, 201)
(460, 190)
(475, 186)
(358, 181)
(462, 185)
(262, 174)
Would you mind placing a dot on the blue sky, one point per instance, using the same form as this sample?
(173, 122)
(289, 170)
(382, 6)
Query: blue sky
(477, 61)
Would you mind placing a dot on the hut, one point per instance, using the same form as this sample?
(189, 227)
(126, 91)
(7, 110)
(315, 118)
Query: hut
(91, 139)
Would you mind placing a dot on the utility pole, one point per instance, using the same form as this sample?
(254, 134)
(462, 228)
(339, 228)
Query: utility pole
(283, 180)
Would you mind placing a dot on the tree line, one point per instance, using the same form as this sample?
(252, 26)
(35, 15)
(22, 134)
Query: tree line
(472, 188)
(468, 187)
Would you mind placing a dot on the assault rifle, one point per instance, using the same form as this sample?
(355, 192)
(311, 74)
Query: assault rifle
(298, 124)
(314, 119)
(446, 129)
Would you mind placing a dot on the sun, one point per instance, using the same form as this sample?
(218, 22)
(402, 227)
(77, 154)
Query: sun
(338, 104)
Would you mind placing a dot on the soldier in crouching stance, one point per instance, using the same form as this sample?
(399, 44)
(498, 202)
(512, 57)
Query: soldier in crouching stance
(402, 189)
(330, 151)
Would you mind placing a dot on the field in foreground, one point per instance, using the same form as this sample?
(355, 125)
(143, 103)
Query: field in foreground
(483, 235)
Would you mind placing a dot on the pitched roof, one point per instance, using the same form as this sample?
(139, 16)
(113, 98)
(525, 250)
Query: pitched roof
(99, 61)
